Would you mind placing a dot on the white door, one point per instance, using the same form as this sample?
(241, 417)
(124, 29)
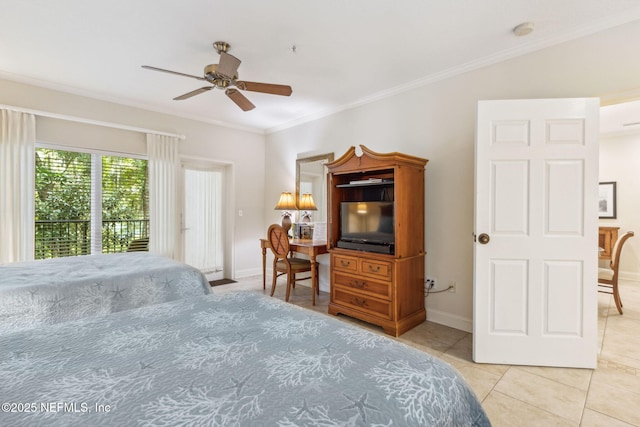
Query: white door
(535, 258)
(202, 220)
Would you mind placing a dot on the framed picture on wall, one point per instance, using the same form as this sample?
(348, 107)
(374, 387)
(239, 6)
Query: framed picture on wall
(607, 200)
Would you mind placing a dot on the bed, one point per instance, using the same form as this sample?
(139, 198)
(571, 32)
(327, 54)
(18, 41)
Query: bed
(37, 293)
(232, 359)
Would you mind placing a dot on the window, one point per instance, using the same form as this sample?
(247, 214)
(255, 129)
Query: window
(88, 203)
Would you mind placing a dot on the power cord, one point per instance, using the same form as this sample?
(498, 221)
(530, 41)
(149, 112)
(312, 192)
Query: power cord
(429, 291)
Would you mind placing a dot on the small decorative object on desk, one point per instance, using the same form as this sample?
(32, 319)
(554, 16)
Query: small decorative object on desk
(306, 231)
(319, 231)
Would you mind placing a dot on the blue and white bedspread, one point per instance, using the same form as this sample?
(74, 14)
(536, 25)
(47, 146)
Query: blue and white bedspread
(236, 359)
(37, 293)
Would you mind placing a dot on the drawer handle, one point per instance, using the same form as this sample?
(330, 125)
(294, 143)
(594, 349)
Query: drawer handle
(345, 263)
(359, 285)
(374, 270)
(359, 302)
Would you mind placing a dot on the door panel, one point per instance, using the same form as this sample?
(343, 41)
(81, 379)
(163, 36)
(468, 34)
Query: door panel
(563, 295)
(510, 181)
(202, 220)
(564, 196)
(535, 278)
(509, 290)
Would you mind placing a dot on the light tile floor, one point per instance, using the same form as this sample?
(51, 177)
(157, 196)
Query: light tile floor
(528, 395)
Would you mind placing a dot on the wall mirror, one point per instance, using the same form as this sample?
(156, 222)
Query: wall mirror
(311, 178)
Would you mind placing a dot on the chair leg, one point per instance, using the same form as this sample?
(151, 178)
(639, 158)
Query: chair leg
(616, 297)
(289, 280)
(275, 277)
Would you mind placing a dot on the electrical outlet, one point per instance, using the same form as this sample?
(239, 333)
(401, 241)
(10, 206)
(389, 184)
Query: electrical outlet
(430, 283)
(452, 286)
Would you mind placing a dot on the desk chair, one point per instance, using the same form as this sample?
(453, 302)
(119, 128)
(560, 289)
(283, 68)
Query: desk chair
(284, 263)
(608, 277)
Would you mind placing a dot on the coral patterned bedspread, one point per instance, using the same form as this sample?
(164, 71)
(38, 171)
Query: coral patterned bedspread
(236, 359)
(37, 293)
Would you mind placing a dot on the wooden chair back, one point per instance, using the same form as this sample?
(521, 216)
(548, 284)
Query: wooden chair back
(609, 279)
(617, 250)
(279, 241)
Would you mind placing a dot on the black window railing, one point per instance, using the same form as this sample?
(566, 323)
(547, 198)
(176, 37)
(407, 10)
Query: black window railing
(56, 239)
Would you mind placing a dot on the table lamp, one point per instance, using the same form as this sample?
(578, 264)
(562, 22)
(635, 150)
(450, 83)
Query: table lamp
(306, 205)
(286, 204)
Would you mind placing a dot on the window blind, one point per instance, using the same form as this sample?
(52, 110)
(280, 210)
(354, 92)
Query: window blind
(88, 203)
(62, 203)
(125, 202)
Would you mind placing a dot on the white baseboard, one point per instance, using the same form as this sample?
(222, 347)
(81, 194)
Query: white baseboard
(240, 274)
(450, 320)
(465, 324)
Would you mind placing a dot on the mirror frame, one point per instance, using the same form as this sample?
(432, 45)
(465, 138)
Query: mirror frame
(329, 157)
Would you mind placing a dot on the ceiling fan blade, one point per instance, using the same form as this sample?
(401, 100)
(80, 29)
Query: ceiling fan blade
(193, 93)
(240, 100)
(148, 67)
(265, 88)
(228, 65)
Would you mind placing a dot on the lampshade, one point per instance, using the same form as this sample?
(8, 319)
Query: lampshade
(286, 202)
(306, 203)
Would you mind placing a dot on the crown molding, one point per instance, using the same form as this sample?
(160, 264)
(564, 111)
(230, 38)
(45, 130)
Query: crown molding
(530, 47)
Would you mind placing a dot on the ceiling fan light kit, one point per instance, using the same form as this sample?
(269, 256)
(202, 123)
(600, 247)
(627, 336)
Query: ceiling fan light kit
(224, 75)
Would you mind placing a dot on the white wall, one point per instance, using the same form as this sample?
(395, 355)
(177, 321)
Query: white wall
(620, 162)
(203, 141)
(437, 122)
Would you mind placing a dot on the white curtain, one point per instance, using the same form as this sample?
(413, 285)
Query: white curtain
(164, 164)
(17, 186)
(203, 219)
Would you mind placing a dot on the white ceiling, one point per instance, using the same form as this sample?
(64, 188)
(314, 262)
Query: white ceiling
(346, 52)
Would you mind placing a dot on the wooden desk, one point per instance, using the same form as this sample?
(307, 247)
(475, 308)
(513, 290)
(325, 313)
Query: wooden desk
(301, 246)
(607, 238)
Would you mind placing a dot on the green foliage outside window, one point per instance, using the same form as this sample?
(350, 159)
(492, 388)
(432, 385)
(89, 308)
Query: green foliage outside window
(63, 202)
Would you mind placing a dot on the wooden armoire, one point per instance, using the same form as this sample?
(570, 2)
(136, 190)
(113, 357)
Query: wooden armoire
(378, 278)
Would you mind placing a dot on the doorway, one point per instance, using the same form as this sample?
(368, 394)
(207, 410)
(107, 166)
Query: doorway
(619, 161)
(203, 219)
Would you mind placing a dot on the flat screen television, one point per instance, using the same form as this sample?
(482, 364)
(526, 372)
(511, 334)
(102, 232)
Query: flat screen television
(367, 226)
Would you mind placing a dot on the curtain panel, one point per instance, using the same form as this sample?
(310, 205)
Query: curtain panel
(203, 219)
(17, 186)
(164, 166)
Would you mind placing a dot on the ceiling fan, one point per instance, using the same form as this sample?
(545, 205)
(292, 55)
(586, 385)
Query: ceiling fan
(225, 76)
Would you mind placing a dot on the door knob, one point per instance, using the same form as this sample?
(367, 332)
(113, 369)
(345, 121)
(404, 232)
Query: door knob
(484, 238)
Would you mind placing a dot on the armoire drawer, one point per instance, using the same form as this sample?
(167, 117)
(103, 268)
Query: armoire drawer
(359, 283)
(345, 263)
(381, 269)
(362, 303)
